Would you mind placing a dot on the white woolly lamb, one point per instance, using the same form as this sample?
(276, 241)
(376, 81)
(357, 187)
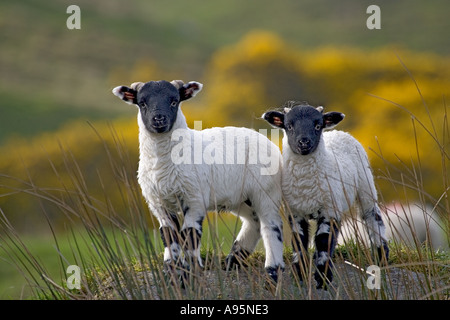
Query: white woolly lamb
(200, 173)
(323, 174)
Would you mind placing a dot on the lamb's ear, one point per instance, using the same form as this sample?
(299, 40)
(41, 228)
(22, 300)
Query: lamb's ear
(187, 90)
(190, 90)
(331, 119)
(127, 94)
(275, 118)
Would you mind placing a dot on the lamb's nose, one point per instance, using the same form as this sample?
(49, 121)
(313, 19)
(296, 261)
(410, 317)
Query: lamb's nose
(303, 142)
(159, 118)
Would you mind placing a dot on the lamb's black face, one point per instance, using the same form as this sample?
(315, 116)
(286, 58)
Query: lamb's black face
(158, 102)
(303, 126)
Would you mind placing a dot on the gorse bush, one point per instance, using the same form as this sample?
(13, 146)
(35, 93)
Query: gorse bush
(48, 162)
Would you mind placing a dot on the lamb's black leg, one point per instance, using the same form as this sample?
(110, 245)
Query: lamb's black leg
(174, 241)
(173, 260)
(325, 239)
(191, 234)
(191, 246)
(170, 236)
(300, 241)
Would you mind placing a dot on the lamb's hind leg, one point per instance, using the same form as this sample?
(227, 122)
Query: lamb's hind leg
(371, 215)
(247, 238)
(271, 232)
(260, 221)
(376, 230)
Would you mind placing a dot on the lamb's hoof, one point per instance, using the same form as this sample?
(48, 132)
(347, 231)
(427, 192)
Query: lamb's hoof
(236, 259)
(230, 262)
(299, 270)
(176, 275)
(383, 254)
(322, 280)
(272, 272)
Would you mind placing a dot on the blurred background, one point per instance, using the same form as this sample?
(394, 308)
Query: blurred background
(59, 119)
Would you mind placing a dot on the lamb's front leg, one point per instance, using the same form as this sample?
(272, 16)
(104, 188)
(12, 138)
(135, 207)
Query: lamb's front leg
(170, 236)
(191, 233)
(300, 241)
(325, 239)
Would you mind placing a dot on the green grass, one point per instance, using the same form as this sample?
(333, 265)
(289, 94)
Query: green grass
(132, 255)
(55, 253)
(13, 284)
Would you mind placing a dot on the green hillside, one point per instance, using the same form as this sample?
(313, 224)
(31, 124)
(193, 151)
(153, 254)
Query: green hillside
(50, 75)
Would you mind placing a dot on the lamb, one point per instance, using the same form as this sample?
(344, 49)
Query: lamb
(191, 177)
(323, 174)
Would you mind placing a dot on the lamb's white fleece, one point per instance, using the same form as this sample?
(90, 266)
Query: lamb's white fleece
(172, 187)
(330, 179)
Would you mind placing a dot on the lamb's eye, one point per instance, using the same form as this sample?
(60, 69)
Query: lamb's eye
(174, 103)
(289, 127)
(142, 104)
(318, 127)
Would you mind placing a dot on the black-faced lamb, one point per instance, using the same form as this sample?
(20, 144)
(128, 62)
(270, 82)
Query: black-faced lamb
(323, 174)
(212, 169)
